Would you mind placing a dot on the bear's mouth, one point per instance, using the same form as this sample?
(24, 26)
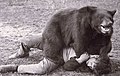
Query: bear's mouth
(105, 29)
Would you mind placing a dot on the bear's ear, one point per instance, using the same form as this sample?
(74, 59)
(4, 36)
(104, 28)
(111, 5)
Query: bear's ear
(112, 12)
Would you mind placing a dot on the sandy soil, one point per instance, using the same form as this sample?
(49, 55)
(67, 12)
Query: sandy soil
(20, 18)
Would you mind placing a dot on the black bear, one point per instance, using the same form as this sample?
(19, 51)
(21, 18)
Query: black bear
(87, 31)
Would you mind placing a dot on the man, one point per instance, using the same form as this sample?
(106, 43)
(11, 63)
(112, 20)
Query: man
(45, 66)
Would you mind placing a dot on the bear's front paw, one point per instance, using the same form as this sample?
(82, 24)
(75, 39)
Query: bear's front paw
(71, 65)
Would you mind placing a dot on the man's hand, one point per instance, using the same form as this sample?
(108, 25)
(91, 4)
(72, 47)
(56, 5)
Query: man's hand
(84, 57)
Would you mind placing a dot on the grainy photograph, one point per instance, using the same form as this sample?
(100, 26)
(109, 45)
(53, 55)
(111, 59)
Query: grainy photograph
(59, 37)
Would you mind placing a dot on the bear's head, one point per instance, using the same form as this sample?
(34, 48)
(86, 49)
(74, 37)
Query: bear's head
(102, 20)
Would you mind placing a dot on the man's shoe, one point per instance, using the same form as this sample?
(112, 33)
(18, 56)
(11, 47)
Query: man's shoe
(8, 68)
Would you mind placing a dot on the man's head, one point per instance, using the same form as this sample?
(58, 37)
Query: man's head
(99, 65)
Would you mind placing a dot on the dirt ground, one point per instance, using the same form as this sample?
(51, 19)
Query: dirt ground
(20, 18)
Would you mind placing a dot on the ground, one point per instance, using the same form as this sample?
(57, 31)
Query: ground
(20, 18)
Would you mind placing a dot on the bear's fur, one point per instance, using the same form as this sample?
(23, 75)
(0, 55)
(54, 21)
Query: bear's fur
(77, 28)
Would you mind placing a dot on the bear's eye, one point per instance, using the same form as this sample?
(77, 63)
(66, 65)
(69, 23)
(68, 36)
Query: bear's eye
(110, 24)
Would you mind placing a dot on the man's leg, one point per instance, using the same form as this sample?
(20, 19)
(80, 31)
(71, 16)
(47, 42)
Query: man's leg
(27, 43)
(45, 66)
